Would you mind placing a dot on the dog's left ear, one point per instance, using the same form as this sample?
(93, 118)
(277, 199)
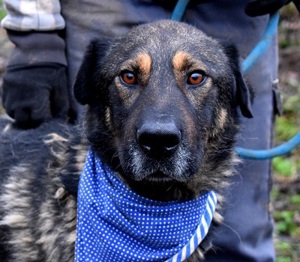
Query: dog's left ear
(87, 76)
(243, 95)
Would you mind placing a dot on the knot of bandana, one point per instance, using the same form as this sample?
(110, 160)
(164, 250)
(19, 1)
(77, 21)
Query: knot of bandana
(116, 224)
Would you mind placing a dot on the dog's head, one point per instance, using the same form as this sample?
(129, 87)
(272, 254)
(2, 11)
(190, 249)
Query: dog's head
(163, 106)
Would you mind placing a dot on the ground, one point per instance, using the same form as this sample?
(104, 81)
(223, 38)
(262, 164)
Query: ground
(286, 175)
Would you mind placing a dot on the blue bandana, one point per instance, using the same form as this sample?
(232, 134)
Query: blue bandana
(116, 224)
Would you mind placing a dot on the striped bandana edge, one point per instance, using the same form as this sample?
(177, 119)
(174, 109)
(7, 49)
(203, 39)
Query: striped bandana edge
(201, 230)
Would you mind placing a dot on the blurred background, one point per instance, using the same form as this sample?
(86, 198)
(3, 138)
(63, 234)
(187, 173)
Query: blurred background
(286, 177)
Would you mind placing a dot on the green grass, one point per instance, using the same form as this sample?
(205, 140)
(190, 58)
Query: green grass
(2, 10)
(287, 252)
(286, 191)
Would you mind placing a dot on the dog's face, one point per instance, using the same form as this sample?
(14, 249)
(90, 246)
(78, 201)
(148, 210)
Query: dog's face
(162, 105)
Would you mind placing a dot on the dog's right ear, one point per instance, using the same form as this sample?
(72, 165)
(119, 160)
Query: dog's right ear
(243, 94)
(84, 86)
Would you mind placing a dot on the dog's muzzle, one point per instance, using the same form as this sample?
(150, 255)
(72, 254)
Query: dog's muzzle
(159, 150)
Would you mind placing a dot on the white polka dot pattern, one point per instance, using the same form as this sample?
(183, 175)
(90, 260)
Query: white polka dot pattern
(116, 224)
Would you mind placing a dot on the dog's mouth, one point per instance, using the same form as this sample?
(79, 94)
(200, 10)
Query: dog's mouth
(161, 187)
(162, 179)
(158, 177)
(140, 167)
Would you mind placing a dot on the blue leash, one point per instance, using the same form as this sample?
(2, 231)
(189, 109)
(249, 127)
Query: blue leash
(269, 153)
(179, 10)
(262, 45)
(250, 61)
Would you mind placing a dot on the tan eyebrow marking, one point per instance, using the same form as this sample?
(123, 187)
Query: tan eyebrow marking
(144, 63)
(183, 60)
(180, 60)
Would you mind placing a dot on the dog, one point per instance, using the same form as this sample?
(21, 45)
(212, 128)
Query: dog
(163, 108)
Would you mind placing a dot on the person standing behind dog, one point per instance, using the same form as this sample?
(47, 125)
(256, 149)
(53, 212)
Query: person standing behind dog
(50, 38)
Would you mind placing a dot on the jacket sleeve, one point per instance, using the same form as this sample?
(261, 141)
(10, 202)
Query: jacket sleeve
(37, 15)
(36, 47)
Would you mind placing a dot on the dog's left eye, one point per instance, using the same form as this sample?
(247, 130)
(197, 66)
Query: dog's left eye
(128, 78)
(196, 78)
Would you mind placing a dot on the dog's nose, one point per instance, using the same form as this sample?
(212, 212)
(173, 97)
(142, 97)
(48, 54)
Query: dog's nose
(159, 139)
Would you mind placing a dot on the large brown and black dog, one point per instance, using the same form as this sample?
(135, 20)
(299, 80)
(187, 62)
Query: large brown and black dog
(163, 106)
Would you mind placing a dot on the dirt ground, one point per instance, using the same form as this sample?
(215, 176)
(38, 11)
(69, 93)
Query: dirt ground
(286, 213)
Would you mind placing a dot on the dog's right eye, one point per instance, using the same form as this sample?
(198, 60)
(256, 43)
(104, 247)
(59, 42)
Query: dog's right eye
(128, 78)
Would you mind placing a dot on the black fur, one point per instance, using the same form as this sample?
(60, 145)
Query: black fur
(166, 138)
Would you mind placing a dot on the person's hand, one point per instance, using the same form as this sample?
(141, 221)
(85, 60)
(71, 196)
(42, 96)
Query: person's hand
(35, 85)
(262, 7)
(35, 93)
